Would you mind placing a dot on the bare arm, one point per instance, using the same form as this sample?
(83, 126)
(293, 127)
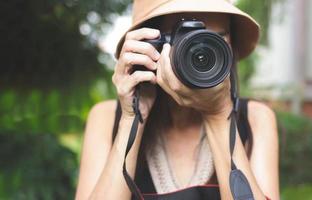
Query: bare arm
(96, 146)
(101, 164)
(264, 159)
(111, 184)
(262, 169)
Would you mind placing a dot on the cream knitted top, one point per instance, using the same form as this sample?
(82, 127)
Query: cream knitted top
(162, 173)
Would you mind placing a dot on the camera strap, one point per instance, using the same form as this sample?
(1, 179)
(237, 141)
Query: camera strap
(133, 132)
(239, 185)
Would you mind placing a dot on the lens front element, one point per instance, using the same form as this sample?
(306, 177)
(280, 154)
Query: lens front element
(201, 59)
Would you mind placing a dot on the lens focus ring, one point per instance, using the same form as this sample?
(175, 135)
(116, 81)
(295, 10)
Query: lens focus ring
(201, 59)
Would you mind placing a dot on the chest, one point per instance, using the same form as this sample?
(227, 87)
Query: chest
(177, 163)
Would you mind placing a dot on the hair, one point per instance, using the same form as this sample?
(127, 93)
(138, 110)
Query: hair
(160, 118)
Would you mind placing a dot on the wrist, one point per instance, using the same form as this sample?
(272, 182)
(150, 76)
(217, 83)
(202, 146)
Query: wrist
(127, 120)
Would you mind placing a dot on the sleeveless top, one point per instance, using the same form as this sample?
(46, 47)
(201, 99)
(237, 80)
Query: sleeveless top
(160, 168)
(143, 177)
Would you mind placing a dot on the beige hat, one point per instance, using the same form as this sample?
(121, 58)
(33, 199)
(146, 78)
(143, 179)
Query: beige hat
(246, 29)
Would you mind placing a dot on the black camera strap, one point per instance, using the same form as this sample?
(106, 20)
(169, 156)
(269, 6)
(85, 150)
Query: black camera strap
(239, 185)
(133, 132)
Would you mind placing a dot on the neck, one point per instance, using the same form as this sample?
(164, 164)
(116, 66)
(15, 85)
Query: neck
(183, 117)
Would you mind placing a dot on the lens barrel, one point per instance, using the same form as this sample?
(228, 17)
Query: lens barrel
(201, 59)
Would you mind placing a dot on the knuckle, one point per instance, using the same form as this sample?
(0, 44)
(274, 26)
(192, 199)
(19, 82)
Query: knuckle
(121, 91)
(118, 89)
(127, 58)
(147, 60)
(186, 102)
(129, 35)
(145, 30)
(136, 76)
(149, 75)
(114, 78)
(150, 48)
(127, 45)
(175, 87)
(159, 80)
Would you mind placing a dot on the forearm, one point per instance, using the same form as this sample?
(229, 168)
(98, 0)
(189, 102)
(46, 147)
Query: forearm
(219, 143)
(111, 184)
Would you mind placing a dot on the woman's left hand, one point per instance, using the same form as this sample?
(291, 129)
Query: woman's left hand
(210, 100)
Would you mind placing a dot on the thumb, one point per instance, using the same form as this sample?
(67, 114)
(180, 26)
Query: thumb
(166, 50)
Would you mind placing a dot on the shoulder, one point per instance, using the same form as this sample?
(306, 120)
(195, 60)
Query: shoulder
(104, 107)
(265, 152)
(262, 118)
(100, 120)
(96, 145)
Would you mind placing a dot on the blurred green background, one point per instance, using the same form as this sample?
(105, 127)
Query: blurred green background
(51, 75)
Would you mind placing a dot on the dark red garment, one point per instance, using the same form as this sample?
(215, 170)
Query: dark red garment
(200, 192)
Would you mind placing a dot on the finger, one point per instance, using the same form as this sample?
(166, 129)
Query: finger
(143, 33)
(140, 76)
(163, 83)
(141, 48)
(166, 68)
(129, 59)
(162, 64)
(166, 62)
(168, 73)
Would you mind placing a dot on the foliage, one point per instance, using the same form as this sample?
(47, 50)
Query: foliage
(261, 12)
(35, 166)
(50, 76)
(295, 148)
(41, 111)
(297, 192)
(42, 47)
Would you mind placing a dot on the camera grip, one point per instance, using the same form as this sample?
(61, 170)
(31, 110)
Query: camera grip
(159, 42)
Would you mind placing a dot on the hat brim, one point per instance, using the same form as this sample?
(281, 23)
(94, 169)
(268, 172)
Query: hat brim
(246, 29)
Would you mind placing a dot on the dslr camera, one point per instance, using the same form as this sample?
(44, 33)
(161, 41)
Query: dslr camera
(200, 58)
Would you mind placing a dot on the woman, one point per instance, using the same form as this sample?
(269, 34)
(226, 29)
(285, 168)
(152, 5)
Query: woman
(183, 140)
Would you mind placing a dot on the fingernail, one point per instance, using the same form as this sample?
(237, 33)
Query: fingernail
(166, 47)
(157, 55)
(155, 66)
(157, 32)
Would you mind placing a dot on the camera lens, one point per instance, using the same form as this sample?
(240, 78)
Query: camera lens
(201, 59)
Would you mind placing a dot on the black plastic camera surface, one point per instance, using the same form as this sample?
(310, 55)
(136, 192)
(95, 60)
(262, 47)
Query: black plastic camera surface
(200, 58)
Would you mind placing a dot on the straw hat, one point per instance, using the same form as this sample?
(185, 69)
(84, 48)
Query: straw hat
(245, 27)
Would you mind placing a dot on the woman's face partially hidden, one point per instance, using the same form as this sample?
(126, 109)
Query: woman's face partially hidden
(216, 22)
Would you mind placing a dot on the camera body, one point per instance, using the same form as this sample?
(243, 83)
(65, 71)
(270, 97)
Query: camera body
(200, 58)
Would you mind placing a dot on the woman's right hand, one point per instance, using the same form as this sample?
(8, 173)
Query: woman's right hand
(136, 52)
